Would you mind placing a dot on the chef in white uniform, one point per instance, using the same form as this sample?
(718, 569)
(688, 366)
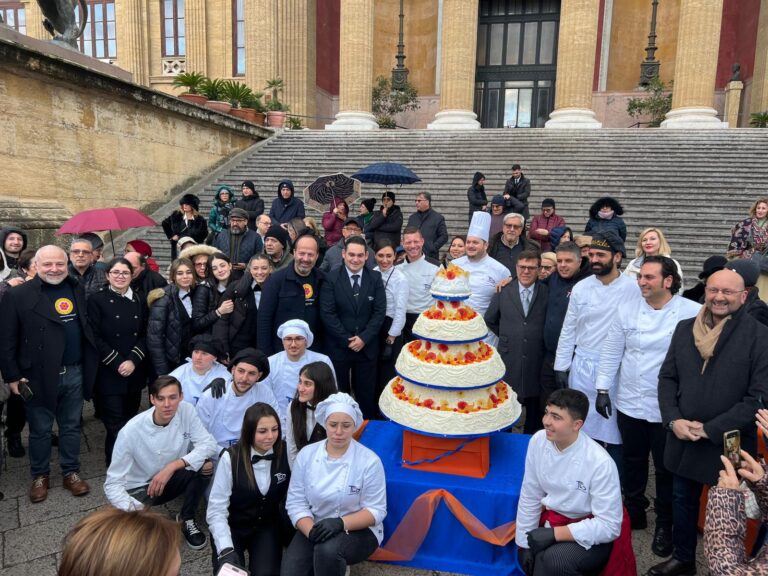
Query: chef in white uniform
(284, 366)
(571, 485)
(337, 496)
(201, 368)
(634, 348)
(223, 417)
(484, 272)
(594, 302)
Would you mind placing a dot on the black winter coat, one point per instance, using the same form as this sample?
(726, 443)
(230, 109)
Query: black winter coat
(169, 330)
(175, 225)
(557, 303)
(518, 196)
(432, 227)
(386, 227)
(478, 200)
(147, 281)
(237, 330)
(508, 256)
(254, 206)
(205, 300)
(756, 307)
(724, 397)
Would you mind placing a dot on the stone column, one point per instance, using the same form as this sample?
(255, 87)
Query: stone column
(132, 46)
(457, 67)
(733, 103)
(34, 17)
(260, 42)
(355, 67)
(576, 45)
(698, 43)
(296, 56)
(197, 42)
(758, 101)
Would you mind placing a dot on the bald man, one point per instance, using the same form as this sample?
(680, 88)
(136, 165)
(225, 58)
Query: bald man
(47, 355)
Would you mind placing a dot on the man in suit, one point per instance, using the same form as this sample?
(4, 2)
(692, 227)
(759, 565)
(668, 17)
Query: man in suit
(516, 192)
(352, 309)
(516, 315)
(47, 347)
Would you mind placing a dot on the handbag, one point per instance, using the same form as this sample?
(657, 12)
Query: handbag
(761, 259)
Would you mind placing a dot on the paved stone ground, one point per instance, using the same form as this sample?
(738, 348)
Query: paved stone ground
(31, 534)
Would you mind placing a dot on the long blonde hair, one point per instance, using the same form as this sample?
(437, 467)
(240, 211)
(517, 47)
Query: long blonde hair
(753, 210)
(112, 542)
(664, 249)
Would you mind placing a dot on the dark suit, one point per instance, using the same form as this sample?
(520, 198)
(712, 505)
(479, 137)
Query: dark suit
(343, 316)
(521, 344)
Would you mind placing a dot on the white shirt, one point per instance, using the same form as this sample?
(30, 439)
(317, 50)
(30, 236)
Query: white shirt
(223, 417)
(590, 309)
(128, 293)
(217, 514)
(283, 377)
(396, 290)
(483, 277)
(576, 482)
(635, 347)
(323, 487)
(419, 274)
(290, 439)
(192, 383)
(256, 294)
(186, 299)
(143, 449)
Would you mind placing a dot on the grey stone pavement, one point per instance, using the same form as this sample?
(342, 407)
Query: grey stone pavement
(31, 534)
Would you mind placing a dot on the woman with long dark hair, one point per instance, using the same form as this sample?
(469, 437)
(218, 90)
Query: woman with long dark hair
(246, 507)
(119, 322)
(208, 302)
(316, 383)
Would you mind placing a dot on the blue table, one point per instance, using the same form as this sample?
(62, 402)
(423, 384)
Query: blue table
(448, 546)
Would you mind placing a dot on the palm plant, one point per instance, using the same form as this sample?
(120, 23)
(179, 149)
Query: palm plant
(236, 93)
(192, 81)
(212, 88)
(275, 86)
(759, 119)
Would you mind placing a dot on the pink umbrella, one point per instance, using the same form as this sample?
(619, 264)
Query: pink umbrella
(105, 219)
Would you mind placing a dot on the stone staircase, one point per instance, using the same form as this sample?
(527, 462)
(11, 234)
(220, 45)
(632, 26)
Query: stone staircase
(693, 185)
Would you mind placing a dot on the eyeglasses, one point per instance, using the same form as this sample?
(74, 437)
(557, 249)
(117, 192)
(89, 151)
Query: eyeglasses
(712, 291)
(513, 226)
(79, 252)
(548, 267)
(527, 268)
(118, 273)
(201, 264)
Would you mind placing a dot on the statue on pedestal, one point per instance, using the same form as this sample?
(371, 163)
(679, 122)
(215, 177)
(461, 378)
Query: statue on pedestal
(60, 20)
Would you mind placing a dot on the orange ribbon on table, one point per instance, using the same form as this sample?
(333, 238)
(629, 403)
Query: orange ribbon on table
(413, 528)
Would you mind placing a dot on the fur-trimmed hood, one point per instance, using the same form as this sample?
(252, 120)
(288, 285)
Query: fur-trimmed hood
(192, 251)
(155, 295)
(617, 208)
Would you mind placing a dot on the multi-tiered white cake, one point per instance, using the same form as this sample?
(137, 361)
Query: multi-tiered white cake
(449, 380)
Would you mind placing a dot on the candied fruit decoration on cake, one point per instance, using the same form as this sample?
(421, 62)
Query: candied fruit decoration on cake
(398, 388)
(443, 347)
(440, 305)
(450, 274)
(461, 405)
(455, 304)
(428, 403)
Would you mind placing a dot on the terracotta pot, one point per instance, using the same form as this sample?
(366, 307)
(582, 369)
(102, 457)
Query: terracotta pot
(219, 106)
(198, 99)
(275, 119)
(247, 114)
(261, 118)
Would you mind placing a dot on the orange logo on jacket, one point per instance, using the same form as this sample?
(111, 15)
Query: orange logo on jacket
(64, 306)
(308, 291)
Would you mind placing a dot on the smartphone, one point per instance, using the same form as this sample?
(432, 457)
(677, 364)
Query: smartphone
(732, 447)
(25, 391)
(228, 569)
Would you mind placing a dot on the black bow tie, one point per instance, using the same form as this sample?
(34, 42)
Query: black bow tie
(255, 458)
(310, 407)
(185, 296)
(256, 288)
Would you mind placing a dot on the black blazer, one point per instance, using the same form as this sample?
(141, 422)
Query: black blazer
(344, 316)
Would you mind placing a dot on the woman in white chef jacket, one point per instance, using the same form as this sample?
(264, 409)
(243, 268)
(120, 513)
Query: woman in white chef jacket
(337, 497)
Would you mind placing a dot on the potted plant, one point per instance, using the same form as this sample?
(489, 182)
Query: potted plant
(655, 105)
(294, 123)
(253, 102)
(388, 102)
(239, 96)
(759, 120)
(192, 81)
(275, 108)
(213, 89)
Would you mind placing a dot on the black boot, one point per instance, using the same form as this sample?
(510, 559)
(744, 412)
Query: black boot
(15, 448)
(662, 541)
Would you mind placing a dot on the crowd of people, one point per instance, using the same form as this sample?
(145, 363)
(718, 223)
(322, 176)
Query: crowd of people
(270, 338)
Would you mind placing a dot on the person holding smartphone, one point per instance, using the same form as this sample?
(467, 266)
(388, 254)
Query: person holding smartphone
(246, 507)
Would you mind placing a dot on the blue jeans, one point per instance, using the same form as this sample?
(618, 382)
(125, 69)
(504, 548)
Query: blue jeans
(685, 517)
(69, 408)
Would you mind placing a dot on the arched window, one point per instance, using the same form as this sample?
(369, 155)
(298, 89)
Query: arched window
(99, 39)
(14, 15)
(173, 31)
(238, 37)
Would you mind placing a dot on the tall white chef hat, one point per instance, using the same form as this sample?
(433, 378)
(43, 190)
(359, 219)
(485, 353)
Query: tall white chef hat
(339, 402)
(296, 328)
(480, 226)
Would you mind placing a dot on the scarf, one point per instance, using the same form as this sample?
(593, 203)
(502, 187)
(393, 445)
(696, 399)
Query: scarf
(605, 215)
(704, 337)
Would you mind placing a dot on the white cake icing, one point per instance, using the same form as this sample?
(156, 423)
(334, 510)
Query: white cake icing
(450, 330)
(451, 283)
(448, 422)
(441, 372)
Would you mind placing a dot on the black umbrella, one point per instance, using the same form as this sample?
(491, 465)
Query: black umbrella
(386, 173)
(322, 191)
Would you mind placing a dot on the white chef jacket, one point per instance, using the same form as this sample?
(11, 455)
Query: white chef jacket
(217, 514)
(483, 277)
(143, 449)
(419, 274)
(223, 417)
(323, 487)
(192, 383)
(576, 482)
(635, 347)
(396, 290)
(283, 377)
(290, 439)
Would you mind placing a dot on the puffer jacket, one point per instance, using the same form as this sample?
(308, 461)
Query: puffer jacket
(167, 338)
(283, 211)
(254, 205)
(597, 224)
(237, 330)
(332, 224)
(205, 300)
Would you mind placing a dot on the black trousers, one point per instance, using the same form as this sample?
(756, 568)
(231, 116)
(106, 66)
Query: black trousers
(188, 483)
(533, 414)
(686, 495)
(262, 543)
(410, 320)
(386, 366)
(571, 559)
(330, 558)
(547, 379)
(16, 415)
(356, 375)
(641, 439)
(116, 410)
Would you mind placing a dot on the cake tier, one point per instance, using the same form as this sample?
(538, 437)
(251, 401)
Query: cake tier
(450, 365)
(451, 282)
(450, 413)
(450, 322)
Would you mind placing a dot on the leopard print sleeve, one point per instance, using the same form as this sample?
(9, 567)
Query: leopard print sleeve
(724, 530)
(760, 489)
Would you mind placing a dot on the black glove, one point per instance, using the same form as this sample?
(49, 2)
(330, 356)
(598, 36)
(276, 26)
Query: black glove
(603, 404)
(217, 387)
(525, 558)
(561, 379)
(229, 556)
(325, 530)
(540, 539)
